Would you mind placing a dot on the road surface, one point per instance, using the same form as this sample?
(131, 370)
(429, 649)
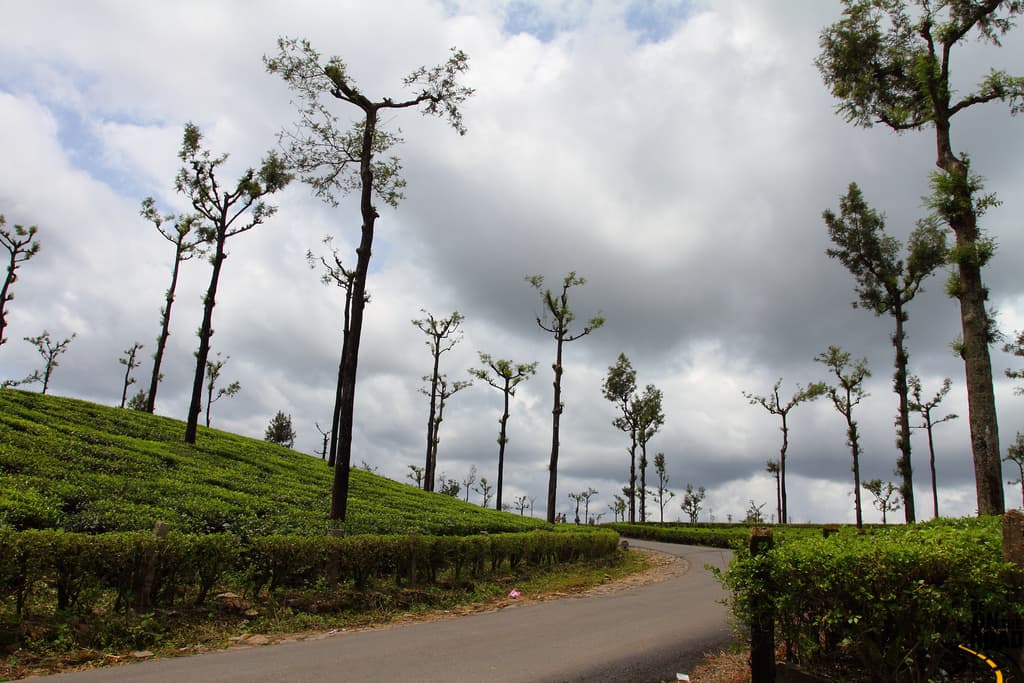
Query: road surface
(636, 635)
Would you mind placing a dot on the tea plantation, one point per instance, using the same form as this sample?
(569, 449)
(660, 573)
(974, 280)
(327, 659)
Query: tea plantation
(78, 466)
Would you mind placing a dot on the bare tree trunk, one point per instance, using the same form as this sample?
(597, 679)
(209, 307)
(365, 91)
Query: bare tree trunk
(556, 413)
(501, 447)
(205, 331)
(165, 332)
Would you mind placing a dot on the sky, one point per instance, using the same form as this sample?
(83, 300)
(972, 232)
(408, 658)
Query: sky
(677, 155)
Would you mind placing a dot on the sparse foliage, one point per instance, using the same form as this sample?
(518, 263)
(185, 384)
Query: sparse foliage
(415, 474)
(557, 319)
(334, 161)
(889, 62)
(883, 493)
(885, 284)
(469, 480)
(772, 467)
(1016, 347)
(507, 376)
(213, 368)
(187, 245)
(223, 213)
(326, 436)
(448, 486)
(280, 430)
(21, 245)
(128, 360)
(485, 489)
(774, 405)
(693, 502)
(619, 387)
(650, 419)
(49, 351)
(520, 503)
(662, 493)
(443, 334)
(139, 401)
(618, 508)
(845, 394)
(925, 408)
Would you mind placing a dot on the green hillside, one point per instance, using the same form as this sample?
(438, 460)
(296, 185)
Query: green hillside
(73, 465)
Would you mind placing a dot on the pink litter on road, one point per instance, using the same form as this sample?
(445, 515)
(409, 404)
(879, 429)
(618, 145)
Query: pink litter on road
(514, 594)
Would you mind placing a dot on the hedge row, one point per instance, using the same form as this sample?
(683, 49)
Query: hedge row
(716, 537)
(896, 601)
(138, 570)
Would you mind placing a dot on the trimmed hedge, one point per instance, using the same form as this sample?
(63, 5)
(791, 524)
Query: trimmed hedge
(897, 600)
(138, 570)
(716, 537)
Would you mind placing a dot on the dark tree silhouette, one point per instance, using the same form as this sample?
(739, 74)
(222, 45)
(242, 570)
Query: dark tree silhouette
(128, 360)
(882, 492)
(444, 392)
(693, 501)
(557, 319)
(772, 467)
(650, 419)
(185, 249)
(886, 283)
(1015, 454)
(889, 62)
(21, 245)
(662, 493)
(443, 335)
(415, 474)
(619, 387)
(49, 351)
(1016, 347)
(327, 436)
(335, 272)
(774, 405)
(219, 210)
(845, 394)
(280, 430)
(925, 408)
(507, 376)
(332, 161)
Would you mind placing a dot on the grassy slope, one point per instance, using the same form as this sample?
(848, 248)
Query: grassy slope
(79, 466)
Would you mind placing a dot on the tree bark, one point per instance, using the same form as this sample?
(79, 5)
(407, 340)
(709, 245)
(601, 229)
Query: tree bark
(165, 331)
(350, 361)
(903, 464)
(556, 412)
(501, 446)
(782, 469)
(431, 458)
(205, 332)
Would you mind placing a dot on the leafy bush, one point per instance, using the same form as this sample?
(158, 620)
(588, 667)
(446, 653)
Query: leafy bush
(895, 600)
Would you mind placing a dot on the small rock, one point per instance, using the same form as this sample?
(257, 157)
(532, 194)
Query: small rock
(228, 596)
(141, 654)
(257, 640)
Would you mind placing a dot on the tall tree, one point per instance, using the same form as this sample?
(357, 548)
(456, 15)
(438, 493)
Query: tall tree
(507, 376)
(847, 392)
(415, 474)
(213, 368)
(925, 408)
(186, 246)
(224, 213)
(128, 360)
(886, 283)
(618, 508)
(280, 430)
(585, 496)
(21, 245)
(1015, 454)
(49, 351)
(774, 405)
(619, 387)
(772, 467)
(662, 493)
(443, 334)
(335, 272)
(890, 64)
(333, 160)
(650, 419)
(557, 319)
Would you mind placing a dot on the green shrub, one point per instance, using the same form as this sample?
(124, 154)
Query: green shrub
(896, 599)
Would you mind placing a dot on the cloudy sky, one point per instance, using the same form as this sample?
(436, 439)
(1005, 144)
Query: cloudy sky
(678, 155)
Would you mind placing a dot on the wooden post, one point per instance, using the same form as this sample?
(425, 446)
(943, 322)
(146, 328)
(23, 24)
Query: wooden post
(762, 628)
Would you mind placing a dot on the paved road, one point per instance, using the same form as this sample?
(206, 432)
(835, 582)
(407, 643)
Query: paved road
(637, 635)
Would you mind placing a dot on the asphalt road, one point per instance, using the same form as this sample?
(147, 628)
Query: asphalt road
(637, 635)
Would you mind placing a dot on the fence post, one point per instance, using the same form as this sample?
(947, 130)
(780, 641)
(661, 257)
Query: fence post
(762, 628)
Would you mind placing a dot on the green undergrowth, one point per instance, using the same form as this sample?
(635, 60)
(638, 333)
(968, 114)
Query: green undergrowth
(78, 466)
(890, 604)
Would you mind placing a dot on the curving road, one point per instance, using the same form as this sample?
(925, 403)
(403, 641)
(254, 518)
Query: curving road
(637, 635)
